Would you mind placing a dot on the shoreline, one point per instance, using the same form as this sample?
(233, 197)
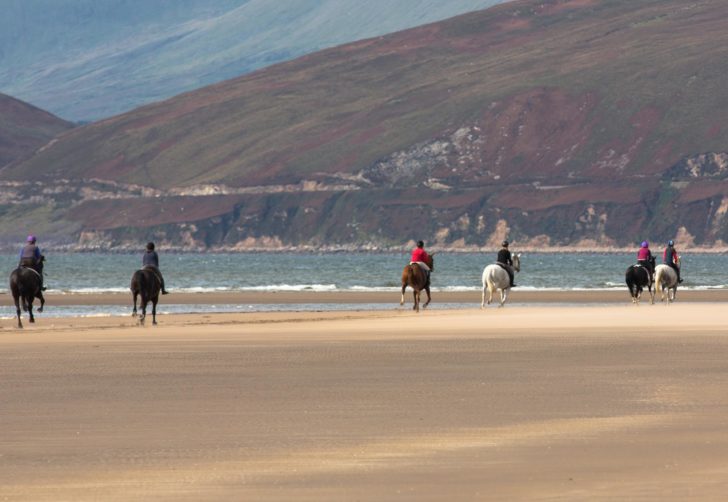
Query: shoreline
(386, 298)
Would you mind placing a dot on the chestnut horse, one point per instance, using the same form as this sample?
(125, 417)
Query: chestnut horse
(416, 278)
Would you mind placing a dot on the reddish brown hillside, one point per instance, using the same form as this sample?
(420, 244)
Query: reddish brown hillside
(24, 129)
(553, 121)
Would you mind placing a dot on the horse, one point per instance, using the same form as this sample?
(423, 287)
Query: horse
(416, 278)
(495, 278)
(666, 281)
(25, 286)
(145, 283)
(637, 277)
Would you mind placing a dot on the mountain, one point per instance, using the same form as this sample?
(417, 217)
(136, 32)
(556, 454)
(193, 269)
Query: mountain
(25, 128)
(90, 59)
(557, 123)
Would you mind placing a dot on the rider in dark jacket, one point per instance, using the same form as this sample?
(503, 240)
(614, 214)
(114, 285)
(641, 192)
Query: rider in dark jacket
(671, 259)
(504, 260)
(151, 260)
(31, 257)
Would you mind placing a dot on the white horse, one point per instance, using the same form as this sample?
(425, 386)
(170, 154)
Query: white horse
(666, 282)
(495, 277)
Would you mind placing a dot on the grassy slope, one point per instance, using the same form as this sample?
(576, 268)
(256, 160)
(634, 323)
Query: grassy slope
(24, 128)
(660, 61)
(88, 59)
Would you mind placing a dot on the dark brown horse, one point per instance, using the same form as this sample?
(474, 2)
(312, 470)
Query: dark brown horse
(416, 278)
(25, 285)
(145, 283)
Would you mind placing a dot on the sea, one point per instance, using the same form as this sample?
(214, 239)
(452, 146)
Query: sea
(99, 273)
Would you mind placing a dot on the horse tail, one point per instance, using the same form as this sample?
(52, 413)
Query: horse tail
(658, 281)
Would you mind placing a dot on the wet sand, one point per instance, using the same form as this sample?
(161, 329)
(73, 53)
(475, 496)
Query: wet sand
(384, 297)
(544, 402)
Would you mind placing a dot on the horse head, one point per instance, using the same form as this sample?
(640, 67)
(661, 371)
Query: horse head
(431, 262)
(516, 262)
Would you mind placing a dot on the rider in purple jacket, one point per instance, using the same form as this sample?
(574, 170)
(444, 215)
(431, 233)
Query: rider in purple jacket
(31, 257)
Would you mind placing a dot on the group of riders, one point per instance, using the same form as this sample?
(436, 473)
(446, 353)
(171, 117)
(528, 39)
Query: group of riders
(669, 257)
(645, 259)
(31, 257)
(504, 259)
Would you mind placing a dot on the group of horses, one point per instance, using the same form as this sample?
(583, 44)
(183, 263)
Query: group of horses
(664, 280)
(495, 278)
(26, 286)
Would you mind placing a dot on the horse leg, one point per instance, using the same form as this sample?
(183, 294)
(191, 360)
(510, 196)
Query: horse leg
(490, 292)
(429, 298)
(31, 317)
(504, 295)
(652, 294)
(154, 311)
(401, 300)
(42, 301)
(416, 298)
(17, 310)
(143, 305)
(134, 297)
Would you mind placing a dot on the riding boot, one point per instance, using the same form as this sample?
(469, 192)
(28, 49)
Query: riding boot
(679, 279)
(511, 277)
(161, 281)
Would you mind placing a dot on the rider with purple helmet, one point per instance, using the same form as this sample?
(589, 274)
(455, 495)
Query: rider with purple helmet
(645, 258)
(31, 257)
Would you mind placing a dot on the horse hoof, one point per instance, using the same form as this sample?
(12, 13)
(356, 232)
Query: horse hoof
(31, 320)
(40, 309)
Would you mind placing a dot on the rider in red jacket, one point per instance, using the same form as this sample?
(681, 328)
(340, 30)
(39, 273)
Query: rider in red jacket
(420, 256)
(644, 258)
(419, 253)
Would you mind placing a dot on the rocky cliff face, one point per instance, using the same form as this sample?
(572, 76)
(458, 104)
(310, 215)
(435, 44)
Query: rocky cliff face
(533, 120)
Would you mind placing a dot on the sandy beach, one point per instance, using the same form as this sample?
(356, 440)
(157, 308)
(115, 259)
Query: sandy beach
(567, 400)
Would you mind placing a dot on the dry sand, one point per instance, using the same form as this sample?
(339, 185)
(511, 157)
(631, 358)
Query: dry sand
(543, 402)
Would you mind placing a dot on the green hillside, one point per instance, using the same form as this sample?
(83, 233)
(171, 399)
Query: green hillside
(561, 121)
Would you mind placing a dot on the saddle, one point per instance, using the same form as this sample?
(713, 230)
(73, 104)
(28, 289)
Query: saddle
(28, 267)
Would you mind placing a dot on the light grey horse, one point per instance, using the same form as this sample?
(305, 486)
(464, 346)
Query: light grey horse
(495, 277)
(666, 282)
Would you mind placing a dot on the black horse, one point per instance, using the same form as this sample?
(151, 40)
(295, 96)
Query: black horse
(638, 278)
(25, 286)
(146, 284)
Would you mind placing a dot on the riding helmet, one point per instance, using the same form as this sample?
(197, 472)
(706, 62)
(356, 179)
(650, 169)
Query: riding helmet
(420, 244)
(645, 244)
(670, 243)
(150, 246)
(505, 244)
(31, 238)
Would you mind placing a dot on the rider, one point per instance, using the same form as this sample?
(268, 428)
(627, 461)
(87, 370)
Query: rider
(671, 258)
(504, 260)
(150, 260)
(645, 258)
(31, 257)
(420, 256)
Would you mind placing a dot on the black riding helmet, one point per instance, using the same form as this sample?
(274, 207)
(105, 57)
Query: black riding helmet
(150, 246)
(505, 244)
(420, 244)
